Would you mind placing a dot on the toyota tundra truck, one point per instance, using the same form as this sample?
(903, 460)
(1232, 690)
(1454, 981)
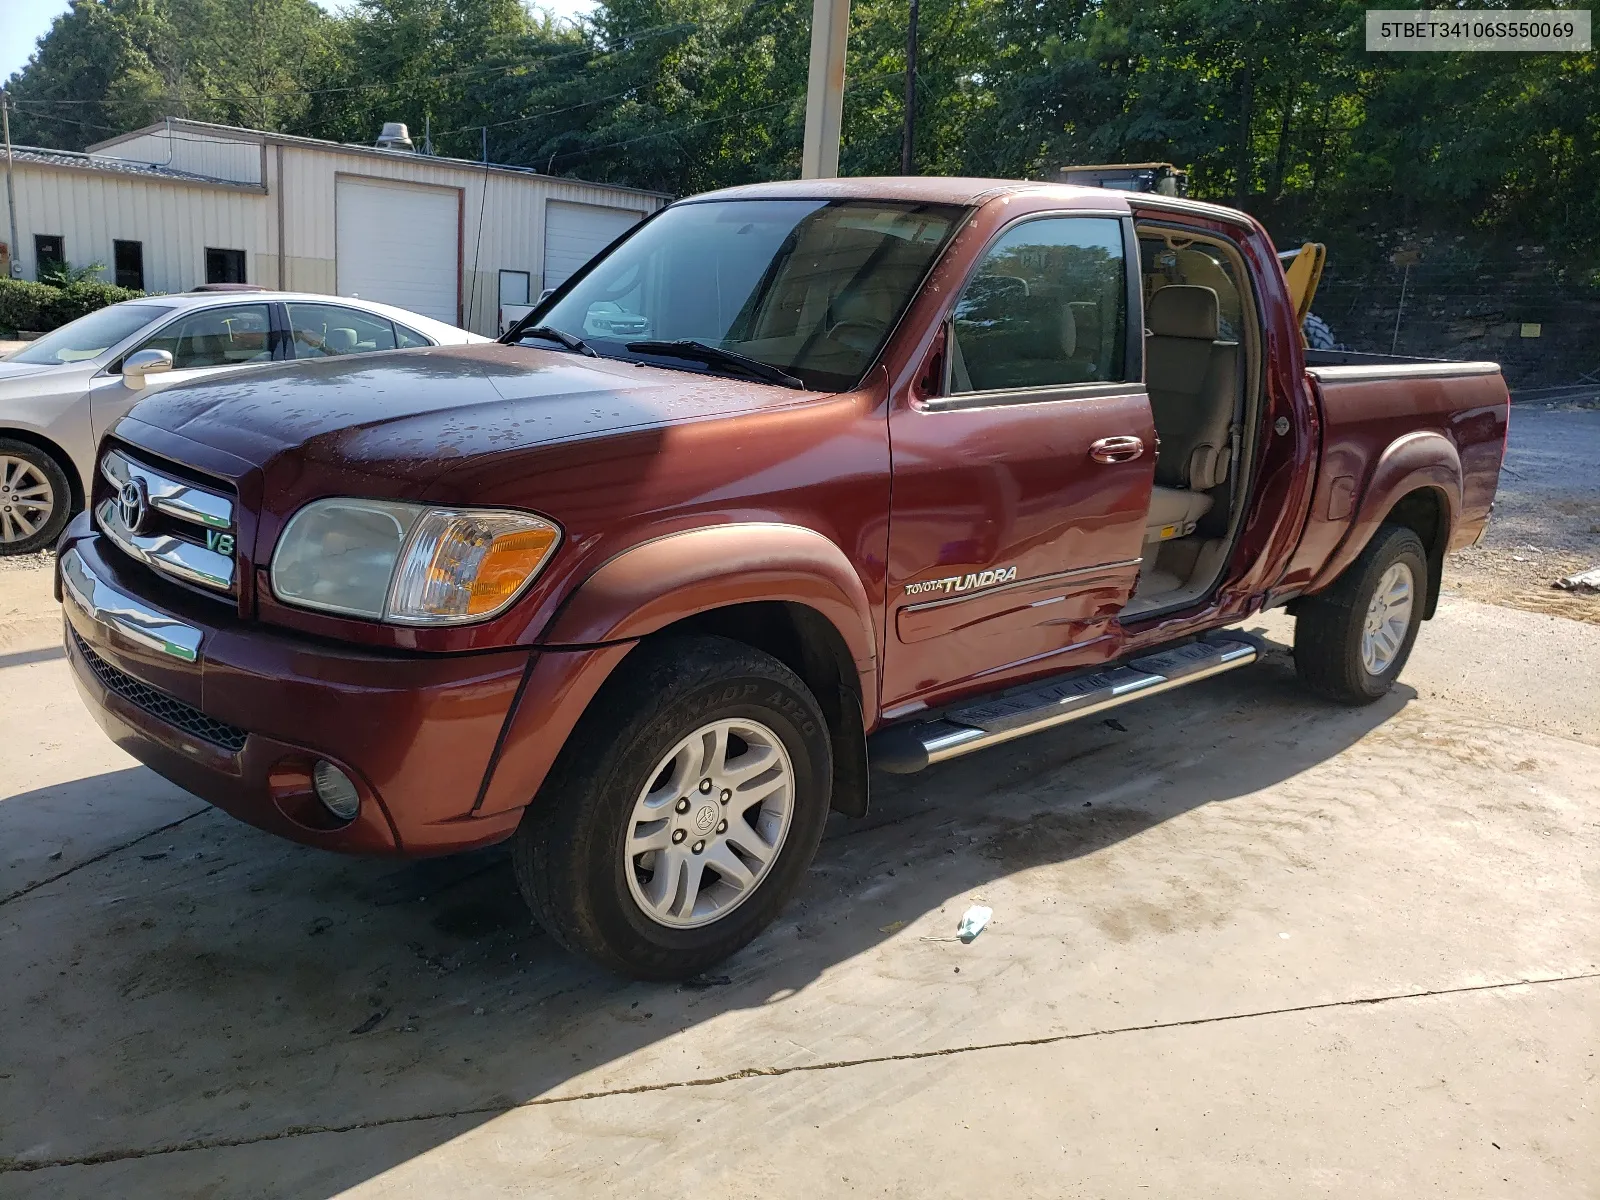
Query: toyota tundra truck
(793, 481)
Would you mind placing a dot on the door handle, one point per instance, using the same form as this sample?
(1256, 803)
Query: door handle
(1123, 448)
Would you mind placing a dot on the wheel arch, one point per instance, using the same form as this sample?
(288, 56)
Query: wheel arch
(1416, 483)
(783, 589)
(805, 641)
(684, 579)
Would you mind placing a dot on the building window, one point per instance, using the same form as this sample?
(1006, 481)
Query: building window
(128, 258)
(224, 266)
(514, 287)
(49, 255)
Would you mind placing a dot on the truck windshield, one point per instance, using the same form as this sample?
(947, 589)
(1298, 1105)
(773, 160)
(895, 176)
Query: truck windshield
(811, 287)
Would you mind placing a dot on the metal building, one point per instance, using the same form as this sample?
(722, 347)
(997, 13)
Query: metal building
(186, 202)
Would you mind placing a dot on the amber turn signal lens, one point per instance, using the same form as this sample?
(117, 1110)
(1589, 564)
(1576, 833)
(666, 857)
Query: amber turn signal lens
(508, 563)
(466, 564)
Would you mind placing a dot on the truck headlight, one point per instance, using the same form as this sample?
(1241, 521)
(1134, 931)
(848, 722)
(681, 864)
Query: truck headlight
(408, 563)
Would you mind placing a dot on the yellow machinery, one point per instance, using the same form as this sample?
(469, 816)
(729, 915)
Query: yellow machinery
(1303, 270)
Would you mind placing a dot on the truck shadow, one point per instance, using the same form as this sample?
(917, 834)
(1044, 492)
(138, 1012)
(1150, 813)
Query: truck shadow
(193, 1024)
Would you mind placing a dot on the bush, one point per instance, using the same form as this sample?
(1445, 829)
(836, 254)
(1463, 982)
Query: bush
(40, 306)
(24, 305)
(85, 296)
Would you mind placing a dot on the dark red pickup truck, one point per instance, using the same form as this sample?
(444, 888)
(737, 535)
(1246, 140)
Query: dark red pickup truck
(793, 479)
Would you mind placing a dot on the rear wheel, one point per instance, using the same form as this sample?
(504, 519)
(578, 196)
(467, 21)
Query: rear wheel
(683, 812)
(35, 498)
(1352, 641)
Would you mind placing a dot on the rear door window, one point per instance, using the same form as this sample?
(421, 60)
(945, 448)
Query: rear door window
(1047, 307)
(331, 330)
(406, 339)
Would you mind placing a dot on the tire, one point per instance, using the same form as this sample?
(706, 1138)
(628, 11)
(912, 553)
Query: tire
(1318, 335)
(639, 746)
(35, 498)
(1332, 650)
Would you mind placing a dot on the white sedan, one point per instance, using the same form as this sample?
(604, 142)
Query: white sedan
(60, 394)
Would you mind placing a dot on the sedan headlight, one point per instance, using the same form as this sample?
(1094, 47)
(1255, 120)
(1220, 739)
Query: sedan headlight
(408, 563)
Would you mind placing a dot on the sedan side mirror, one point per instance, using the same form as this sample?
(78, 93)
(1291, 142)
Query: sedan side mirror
(144, 362)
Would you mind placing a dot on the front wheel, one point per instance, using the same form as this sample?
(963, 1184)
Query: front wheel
(35, 498)
(1351, 642)
(683, 812)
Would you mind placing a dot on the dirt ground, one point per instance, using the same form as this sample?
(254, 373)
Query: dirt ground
(1547, 515)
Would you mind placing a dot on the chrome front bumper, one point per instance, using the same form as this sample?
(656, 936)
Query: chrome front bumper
(129, 616)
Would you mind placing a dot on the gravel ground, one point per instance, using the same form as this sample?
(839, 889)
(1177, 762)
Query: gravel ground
(1546, 516)
(28, 562)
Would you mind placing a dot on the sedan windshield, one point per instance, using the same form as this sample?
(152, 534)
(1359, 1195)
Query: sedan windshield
(810, 287)
(90, 336)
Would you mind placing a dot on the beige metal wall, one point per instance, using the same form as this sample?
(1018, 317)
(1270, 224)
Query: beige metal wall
(175, 222)
(511, 207)
(199, 153)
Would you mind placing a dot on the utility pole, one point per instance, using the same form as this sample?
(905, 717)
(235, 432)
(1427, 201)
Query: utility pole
(830, 29)
(908, 137)
(485, 132)
(11, 193)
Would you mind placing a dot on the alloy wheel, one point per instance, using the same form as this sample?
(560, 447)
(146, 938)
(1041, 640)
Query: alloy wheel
(708, 826)
(26, 499)
(1388, 618)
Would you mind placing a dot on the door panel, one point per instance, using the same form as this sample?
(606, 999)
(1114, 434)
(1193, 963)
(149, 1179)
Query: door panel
(1011, 488)
(1020, 494)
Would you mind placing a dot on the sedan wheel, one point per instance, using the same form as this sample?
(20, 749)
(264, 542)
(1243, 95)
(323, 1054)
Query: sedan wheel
(34, 498)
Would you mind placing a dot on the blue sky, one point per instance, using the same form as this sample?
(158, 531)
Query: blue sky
(23, 22)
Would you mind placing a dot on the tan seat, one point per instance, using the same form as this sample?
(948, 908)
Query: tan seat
(1192, 380)
(1174, 513)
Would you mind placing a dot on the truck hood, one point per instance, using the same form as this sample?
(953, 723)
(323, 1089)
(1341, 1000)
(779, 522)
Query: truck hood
(408, 417)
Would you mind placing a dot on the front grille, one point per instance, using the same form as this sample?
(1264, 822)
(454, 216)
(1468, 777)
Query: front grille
(167, 520)
(160, 705)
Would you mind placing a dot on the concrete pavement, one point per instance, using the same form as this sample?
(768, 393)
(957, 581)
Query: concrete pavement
(1244, 944)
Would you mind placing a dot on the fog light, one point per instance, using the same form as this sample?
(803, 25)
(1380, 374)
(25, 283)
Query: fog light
(335, 790)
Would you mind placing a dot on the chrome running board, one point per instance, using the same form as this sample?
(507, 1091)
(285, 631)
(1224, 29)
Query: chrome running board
(904, 749)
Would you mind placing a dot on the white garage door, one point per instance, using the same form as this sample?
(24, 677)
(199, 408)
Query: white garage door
(575, 233)
(396, 243)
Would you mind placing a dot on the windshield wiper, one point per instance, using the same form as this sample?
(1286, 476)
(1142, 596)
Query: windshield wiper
(716, 356)
(551, 334)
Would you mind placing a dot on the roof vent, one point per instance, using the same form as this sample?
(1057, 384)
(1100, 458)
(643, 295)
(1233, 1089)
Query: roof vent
(395, 136)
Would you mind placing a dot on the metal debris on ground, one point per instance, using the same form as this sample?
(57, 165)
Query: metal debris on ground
(1587, 582)
(973, 922)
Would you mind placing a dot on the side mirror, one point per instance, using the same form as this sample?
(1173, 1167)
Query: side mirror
(546, 294)
(144, 362)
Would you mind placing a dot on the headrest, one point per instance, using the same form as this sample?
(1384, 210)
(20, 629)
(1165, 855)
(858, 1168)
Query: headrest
(1184, 311)
(341, 341)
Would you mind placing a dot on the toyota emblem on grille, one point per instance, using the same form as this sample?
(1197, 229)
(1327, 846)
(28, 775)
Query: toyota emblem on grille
(133, 504)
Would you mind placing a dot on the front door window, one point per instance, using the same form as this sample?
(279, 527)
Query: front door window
(1047, 307)
(230, 336)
